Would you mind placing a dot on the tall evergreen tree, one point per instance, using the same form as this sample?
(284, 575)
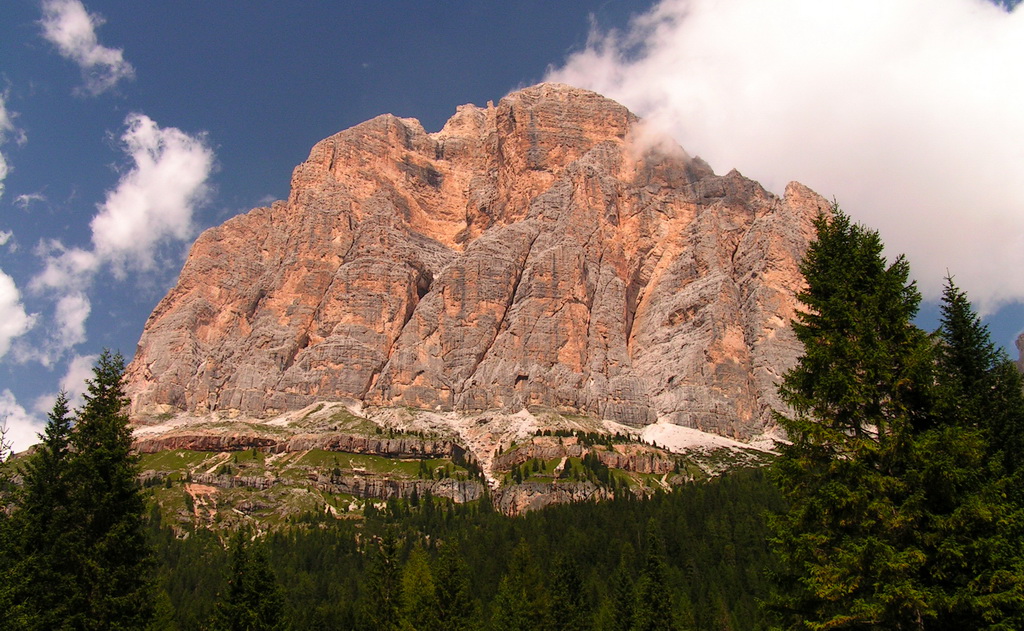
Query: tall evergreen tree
(44, 574)
(522, 602)
(652, 601)
(384, 586)
(967, 466)
(455, 605)
(115, 568)
(622, 591)
(569, 611)
(419, 595)
(7, 555)
(848, 546)
(254, 601)
(979, 384)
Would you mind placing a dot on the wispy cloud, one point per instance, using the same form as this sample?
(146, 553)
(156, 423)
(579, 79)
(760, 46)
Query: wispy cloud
(909, 113)
(7, 131)
(68, 26)
(151, 206)
(27, 199)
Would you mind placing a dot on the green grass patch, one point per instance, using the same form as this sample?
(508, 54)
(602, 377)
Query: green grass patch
(349, 463)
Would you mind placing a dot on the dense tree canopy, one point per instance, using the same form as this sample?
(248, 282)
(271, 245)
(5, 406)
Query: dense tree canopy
(253, 600)
(901, 509)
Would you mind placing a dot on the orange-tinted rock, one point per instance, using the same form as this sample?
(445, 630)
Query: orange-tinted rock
(528, 254)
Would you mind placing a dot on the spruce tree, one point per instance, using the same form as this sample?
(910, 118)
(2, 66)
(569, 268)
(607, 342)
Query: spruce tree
(848, 546)
(652, 600)
(7, 554)
(622, 591)
(254, 601)
(381, 609)
(522, 602)
(45, 571)
(979, 384)
(968, 468)
(419, 595)
(455, 605)
(114, 566)
(569, 611)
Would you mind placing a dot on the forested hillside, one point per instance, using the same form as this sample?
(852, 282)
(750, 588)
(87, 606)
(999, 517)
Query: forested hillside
(696, 556)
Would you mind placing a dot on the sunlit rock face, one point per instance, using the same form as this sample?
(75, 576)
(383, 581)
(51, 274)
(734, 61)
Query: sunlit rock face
(539, 252)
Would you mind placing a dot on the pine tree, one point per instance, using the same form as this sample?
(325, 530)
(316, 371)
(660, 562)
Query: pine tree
(7, 553)
(254, 601)
(569, 611)
(622, 591)
(384, 586)
(419, 595)
(652, 600)
(522, 603)
(967, 464)
(454, 599)
(980, 385)
(115, 567)
(848, 547)
(45, 571)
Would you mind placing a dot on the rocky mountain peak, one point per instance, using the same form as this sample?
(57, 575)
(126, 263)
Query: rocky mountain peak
(527, 255)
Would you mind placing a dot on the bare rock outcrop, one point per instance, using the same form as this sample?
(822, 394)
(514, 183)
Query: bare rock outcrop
(530, 496)
(219, 441)
(531, 253)
(631, 457)
(459, 491)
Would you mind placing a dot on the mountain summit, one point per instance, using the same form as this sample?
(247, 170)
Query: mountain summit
(538, 253)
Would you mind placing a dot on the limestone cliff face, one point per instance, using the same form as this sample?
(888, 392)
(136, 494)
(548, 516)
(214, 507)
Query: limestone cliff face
(531, 253)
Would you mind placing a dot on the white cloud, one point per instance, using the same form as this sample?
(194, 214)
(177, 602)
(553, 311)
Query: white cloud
(153, 202)
(152, 205)
(14, 321)
(908, 113)
(5, 236)
(73, 382)
(22, 428)
(64, 330)
(71, 313)
(72, 29)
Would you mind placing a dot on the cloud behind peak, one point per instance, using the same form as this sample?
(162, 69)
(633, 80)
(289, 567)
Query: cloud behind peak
(907, 112)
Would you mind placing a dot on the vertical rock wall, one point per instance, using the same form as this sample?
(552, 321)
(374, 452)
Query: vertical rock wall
(531, 253)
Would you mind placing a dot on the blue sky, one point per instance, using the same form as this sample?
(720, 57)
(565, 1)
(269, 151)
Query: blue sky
(127, 128)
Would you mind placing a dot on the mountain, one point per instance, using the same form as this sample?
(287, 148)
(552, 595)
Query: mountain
(533, 253)
(546, 263)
